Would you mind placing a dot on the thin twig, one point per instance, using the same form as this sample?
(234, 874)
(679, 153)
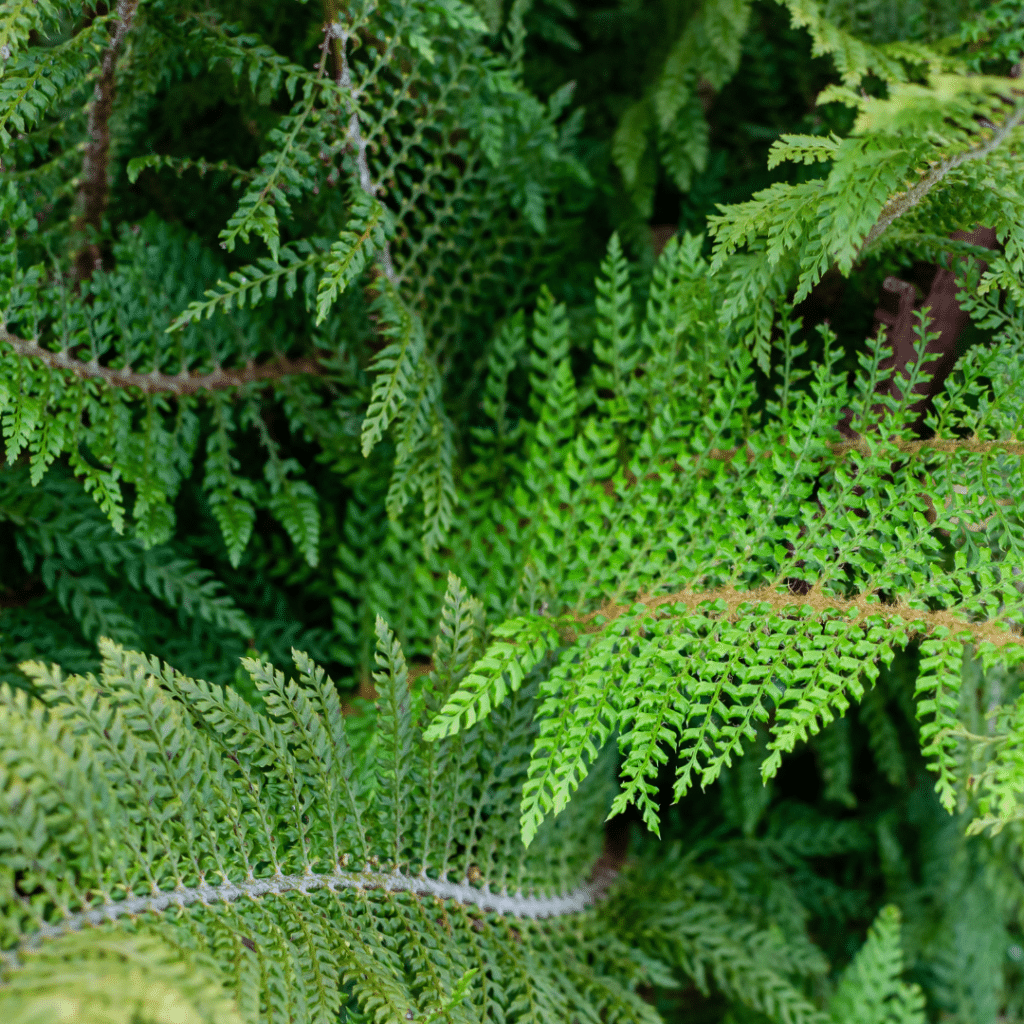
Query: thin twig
(183, 383)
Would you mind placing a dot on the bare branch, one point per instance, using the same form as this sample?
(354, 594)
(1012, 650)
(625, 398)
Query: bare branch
(183, 383)
(93, 193)
(904, 201)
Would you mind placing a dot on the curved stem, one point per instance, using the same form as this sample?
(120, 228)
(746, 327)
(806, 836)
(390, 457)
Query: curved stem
(517, 905)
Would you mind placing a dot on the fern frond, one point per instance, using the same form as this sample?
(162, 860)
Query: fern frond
(32, 84)
(190, 782)
(501, 671)
(22, 17)
(775, 610)
(616, 346)
(395, 364)
(871, 988)
(806, 149)
(854, 58)
(367, 234)
(256, 283)
(179, 165)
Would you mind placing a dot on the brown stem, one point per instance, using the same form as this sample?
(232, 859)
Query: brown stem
(93, 191)
(855, 609)
(863, 447)
(183, 383)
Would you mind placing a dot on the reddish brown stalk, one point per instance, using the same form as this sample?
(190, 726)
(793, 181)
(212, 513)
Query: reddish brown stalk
(863, 447)
(178, 384)
(95, 170)
(946, 317)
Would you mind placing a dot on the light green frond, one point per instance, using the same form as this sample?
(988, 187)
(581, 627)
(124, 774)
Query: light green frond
(115, 979)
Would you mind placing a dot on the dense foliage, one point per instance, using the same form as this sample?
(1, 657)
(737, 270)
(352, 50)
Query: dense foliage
(352, 338)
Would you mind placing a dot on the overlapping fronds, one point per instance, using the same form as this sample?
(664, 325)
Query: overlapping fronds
(680, 551)
(169, 848)
(912, 169)
(668, 123)
(411, 136)
(726, 570)
(152, 821)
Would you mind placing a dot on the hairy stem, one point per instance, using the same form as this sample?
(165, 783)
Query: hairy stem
(517, 905)
(93, 191)
(900, 204)
(855, 609)
(338, 37)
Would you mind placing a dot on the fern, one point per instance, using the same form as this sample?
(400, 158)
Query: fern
(873, 181)
(285, 850)
(580, 555)
(299, 851)
(777, 615)
(340, 124)
(871, 988)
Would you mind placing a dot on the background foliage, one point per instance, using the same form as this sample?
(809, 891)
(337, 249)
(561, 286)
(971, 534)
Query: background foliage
(327, 318)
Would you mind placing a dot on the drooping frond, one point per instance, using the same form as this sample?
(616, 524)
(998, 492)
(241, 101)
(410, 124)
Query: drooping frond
(886, 181)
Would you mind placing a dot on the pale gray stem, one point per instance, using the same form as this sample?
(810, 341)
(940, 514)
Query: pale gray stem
(355, 137)
(516, 905)
(900, 204)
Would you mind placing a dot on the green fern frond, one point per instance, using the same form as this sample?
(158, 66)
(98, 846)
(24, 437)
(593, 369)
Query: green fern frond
(236, 853)
(254, 284)
(871, 989)
(394, 364)
(32, 84)
(351, 254)
(780, 613)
